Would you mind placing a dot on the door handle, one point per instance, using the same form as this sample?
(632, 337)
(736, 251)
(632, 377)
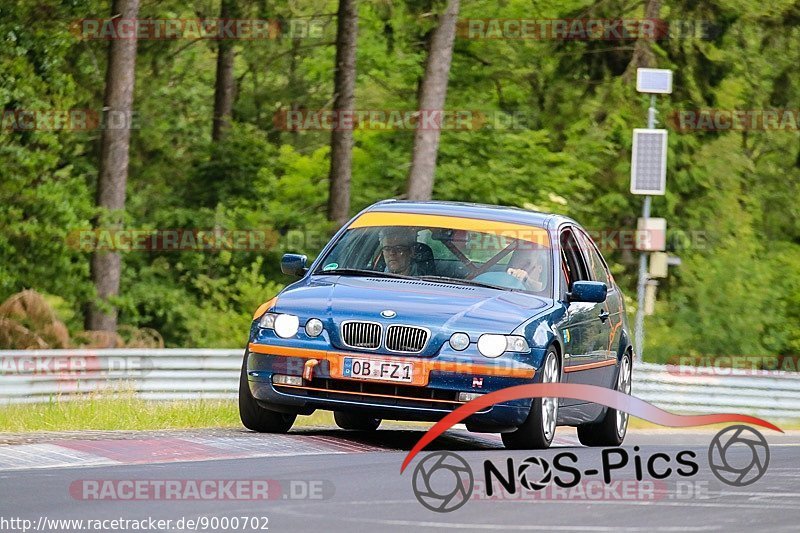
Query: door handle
(603, 316)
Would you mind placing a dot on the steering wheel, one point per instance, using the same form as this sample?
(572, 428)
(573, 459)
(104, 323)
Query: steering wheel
(501, 279)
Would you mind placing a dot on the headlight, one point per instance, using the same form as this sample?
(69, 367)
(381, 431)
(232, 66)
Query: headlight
(459, 341)
(267, 321)
(491, 345)
(286, 325)
(314, 327)
(515, 343)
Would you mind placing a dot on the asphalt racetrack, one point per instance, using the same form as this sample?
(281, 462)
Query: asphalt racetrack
(320, 479)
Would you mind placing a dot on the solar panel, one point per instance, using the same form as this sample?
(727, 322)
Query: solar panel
(654, 80)
(649, 162)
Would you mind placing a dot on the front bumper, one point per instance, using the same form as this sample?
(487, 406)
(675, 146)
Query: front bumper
(433, 395)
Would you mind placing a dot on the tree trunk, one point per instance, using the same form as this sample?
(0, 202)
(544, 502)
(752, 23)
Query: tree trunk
(431, 103)
(114, 146)
(225, 86)
(343, 100)
(643, 56)
(294, 87)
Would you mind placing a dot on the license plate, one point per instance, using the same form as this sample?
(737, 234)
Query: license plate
(377, 370)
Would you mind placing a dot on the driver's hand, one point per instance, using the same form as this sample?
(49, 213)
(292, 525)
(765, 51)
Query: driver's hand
(518, 273)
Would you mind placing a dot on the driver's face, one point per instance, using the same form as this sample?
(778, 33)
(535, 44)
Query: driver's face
(397, 254)
(534, 266)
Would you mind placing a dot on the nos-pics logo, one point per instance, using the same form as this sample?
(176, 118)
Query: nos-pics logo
(444, 481)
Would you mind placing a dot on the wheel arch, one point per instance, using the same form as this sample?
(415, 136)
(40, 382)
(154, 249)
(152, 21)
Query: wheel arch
(625, 345)
(556, 344)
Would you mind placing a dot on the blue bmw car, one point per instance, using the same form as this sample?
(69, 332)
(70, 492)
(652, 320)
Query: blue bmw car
(415, 308)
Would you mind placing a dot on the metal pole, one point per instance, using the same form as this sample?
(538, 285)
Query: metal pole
(639, 331)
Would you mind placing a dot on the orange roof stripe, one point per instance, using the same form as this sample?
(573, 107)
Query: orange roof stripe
(510, 230)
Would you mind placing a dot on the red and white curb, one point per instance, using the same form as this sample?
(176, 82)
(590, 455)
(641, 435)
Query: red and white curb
(149, 449)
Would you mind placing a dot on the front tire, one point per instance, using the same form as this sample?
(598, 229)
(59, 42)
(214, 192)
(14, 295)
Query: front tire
(611, 430)
(255, 417)
(539, 429)
(355, 421)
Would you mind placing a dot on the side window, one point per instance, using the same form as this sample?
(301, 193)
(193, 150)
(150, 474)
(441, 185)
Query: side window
(572, 263)
(597, 266)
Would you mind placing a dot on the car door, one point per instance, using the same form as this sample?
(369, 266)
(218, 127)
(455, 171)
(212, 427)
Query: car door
(579, 330)
(586, 331)
(609, 313)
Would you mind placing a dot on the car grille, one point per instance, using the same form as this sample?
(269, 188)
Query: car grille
(364, 335)
(406, 339)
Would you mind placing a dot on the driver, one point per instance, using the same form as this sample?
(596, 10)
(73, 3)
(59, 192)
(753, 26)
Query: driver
(397, 247)
(528, 266)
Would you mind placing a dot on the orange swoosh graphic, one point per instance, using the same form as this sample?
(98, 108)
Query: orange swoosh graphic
(590, 393)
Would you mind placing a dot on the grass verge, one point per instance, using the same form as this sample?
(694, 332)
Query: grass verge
(127, 412)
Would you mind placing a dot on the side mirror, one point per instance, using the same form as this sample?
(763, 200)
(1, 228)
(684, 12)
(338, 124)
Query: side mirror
(293, 264)
(588, 291)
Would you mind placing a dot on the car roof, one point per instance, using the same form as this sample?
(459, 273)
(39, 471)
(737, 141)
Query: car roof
(469, 210)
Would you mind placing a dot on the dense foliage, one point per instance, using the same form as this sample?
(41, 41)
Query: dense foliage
(732, 200)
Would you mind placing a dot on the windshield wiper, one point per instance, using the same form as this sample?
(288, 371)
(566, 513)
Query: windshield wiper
(460, 281)
(362, 272)
(435, 279)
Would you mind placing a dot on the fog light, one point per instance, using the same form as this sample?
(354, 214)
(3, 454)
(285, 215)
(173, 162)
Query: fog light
(282, 379)
(459, 341)
(314, 327)
(468, 396)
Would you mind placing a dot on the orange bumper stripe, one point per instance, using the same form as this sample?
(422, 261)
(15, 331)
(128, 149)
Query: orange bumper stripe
(589, 366)
(422, 368)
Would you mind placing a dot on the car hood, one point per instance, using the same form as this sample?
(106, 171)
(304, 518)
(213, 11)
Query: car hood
(440, 307)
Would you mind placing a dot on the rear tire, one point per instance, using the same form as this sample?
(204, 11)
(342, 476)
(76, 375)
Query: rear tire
(538, 430)
(356, 421)
(255, 417)
(611, 430)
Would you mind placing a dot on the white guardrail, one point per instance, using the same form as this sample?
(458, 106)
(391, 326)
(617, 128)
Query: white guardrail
(186, 374)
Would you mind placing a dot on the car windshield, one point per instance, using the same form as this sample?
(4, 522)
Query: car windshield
(509, 257)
